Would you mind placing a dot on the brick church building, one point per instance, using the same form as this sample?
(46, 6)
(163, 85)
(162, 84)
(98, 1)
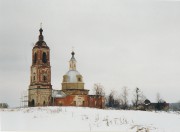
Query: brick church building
(72, 92)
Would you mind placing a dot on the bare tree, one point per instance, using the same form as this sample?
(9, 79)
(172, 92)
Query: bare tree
(98, 89)
(124, 98)
(111, 100)
(138, 98)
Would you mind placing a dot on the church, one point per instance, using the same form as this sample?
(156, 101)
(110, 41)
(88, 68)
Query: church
(72, 93)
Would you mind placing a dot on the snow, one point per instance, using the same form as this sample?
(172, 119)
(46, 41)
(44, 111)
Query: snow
(87, 119)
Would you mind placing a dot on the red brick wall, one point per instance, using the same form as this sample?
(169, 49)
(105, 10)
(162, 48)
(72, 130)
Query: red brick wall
(71, 100)
(80, 100)
(96, 101)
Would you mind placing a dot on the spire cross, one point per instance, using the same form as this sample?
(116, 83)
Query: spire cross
(41, 25)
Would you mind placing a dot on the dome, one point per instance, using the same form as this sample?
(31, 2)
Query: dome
(72, 76)
(72, 80)
(41, 44)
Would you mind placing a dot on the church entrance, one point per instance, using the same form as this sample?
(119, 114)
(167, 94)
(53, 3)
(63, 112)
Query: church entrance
(33, 103)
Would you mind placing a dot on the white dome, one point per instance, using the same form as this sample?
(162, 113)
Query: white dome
(72, 76)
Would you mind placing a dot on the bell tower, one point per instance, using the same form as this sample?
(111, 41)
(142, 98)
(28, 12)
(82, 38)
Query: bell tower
(40, 88)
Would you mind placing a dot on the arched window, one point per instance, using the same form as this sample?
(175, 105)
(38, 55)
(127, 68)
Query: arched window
(44, 57)
(35, 58)
(44, 78)
(34, 78)
(79, 79)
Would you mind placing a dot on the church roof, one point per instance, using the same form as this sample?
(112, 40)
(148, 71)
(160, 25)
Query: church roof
(72, 76)
(58, 94)
(41, 42)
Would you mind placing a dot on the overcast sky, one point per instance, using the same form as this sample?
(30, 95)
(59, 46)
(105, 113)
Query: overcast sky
(117, 43)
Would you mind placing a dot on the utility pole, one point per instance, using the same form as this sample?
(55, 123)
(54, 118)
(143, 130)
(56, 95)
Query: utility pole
(137, 97)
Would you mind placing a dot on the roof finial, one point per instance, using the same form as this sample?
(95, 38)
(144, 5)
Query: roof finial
(41, 30)
(72, 62)
(72, 53)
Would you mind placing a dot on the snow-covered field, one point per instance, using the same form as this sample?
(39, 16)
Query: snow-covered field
(87, 119)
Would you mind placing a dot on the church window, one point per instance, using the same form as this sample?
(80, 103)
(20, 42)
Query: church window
(44, 57)
(44, 78)
(35, 58)
(34, 78)
(79, 79)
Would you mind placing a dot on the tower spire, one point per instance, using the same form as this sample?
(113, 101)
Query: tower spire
(41, 37)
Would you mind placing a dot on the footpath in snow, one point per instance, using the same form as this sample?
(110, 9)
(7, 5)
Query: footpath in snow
(87, 119)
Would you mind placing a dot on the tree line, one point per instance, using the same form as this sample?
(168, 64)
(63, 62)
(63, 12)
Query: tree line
(121, 100)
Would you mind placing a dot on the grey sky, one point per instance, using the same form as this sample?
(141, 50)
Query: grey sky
(117, 43)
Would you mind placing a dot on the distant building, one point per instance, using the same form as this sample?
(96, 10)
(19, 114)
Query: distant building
(72, 93)
(161, 105)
